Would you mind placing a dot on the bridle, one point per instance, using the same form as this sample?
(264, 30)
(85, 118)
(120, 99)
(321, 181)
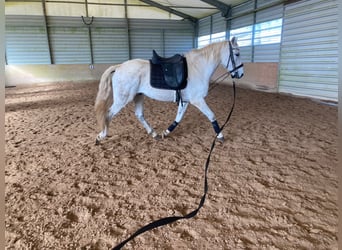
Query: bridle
(231, 59)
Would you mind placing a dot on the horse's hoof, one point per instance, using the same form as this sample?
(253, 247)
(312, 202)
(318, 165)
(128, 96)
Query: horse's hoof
(164, 134)
(97, 142)
(157, 137)
(220, 139)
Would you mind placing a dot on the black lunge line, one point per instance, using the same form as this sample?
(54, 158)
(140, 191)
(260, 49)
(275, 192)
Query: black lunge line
(168, 220)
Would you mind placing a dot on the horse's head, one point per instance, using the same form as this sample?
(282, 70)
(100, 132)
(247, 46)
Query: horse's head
(233, 63)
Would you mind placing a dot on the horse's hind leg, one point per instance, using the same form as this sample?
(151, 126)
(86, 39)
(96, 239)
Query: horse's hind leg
(139, 113)
(204, 108)
(182, 106)
(113, 110)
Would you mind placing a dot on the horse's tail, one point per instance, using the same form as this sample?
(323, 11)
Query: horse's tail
(104, 98)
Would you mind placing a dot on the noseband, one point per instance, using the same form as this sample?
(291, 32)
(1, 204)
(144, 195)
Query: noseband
(231, 58)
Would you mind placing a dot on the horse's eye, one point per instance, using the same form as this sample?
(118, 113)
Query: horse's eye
(237, 54)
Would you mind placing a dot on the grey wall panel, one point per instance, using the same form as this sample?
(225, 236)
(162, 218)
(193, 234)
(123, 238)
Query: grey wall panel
(219, 23)
(24, 21)
(144, 41)
(57, 21)
(177, 42)
(109, 45)
(69, 39)
(150, 34)
(243, 8)
(70, 45)
(267, 53)
(308, 64)
(265, 3)
(246, 53)
(242, 21)
(26, 40)
(204, 26)
(160, 24)
(269, 14)
(27, 45)
(109, 22)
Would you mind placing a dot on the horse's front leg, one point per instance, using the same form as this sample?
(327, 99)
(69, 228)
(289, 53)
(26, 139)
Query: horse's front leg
(139, 113)
(182, 106)
(204, 108)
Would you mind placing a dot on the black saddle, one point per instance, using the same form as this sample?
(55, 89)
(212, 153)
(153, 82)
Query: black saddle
(168, 73)
(157, 59)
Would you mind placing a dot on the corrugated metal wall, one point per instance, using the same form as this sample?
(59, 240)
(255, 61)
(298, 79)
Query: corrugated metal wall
(110, 45)
(178, 41)
(143, 41)
(308, 65)
(219, 24)
(113, 40)
(26, 41)
(240, 20)
(247, 15)
(267, 52)
(211, 25)
(204, 26)
(307, 53)
(165, 36)
(70, 45)
(110, 40)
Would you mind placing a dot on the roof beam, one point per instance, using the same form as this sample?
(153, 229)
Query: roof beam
(170, 10)
(224, 8)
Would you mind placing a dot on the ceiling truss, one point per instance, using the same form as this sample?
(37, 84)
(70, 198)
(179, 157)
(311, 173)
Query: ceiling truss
(224, 8)
(170, 10)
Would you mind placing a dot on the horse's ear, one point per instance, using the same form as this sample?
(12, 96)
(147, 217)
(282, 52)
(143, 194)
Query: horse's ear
(234, 41)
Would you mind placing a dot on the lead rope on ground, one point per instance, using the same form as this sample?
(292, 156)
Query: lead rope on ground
(171, 219)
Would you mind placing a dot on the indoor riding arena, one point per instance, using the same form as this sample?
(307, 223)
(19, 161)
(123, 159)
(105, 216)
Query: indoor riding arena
(270, 184)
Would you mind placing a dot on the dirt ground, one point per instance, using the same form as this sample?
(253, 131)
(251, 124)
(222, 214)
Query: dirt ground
(272, 184)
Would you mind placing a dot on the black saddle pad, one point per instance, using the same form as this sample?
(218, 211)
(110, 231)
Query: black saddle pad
(168, 73)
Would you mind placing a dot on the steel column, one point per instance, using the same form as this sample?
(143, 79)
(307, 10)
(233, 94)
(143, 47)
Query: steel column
(47, 32)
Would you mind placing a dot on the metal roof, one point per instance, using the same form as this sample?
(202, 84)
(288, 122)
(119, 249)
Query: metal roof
(147, 9)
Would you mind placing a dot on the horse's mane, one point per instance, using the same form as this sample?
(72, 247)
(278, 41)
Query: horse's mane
(198, 58)
(209, 52)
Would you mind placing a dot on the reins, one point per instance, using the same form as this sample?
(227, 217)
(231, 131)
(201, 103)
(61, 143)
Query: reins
(168, 220)
(215, 83)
